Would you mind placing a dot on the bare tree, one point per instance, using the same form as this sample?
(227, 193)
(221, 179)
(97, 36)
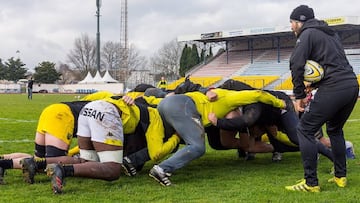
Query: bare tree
(131, 61)
(166, 60)
(120, 62)
(68, 75)
(83, 55)
(135, 60)
(110, 55)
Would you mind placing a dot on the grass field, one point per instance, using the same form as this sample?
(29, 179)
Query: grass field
(218, 176)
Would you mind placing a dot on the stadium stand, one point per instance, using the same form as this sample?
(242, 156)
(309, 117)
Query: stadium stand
(285, 85)
(223, 65)
(352, 54)
(260, 56)
(203, 81)
(258, 82)
(267, 68)
(354, 60)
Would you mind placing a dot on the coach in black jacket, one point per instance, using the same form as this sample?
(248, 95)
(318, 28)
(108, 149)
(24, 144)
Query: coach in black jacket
(335, 98)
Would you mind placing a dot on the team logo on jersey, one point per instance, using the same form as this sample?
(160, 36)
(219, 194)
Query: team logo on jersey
(69, 136)
(93, 113)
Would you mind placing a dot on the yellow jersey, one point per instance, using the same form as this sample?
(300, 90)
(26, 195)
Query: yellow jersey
(228, 100)
(155, 133)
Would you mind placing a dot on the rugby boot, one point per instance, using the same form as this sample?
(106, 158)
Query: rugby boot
(159, 175)
(57, 174)
(29, 169)
(128, 167)
(340, 182)
(303, 187)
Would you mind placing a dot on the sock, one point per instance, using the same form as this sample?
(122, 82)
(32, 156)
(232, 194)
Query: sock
(6, 163)
(69, 170)
(40, 163)
(1, 157)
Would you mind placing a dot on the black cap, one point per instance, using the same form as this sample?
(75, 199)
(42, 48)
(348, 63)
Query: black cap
(302, 13)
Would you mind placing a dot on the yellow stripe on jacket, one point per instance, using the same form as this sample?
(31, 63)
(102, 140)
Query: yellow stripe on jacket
(155, 134)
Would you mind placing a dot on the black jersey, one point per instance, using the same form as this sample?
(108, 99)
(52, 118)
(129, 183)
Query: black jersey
(75, 107)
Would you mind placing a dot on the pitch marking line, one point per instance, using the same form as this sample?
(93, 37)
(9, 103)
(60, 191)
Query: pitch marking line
(17, 120)
(16, 141)
(353, 120)
(27, 140)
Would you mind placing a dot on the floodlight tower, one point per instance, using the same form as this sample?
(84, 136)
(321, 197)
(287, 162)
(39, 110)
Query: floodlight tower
(124, 49)
(98, 5)
(124, 25)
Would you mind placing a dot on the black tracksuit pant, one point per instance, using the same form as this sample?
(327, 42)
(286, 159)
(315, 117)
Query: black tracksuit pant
(333, 107)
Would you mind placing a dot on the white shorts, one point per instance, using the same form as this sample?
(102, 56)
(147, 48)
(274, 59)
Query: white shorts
(100, 120)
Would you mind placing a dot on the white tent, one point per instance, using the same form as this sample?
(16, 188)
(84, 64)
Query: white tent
(87, 79)
(97, 78)
(108, 79)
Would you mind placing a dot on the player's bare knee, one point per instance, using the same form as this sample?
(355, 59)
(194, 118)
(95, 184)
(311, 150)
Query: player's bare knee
(113, 161)
(112, 171)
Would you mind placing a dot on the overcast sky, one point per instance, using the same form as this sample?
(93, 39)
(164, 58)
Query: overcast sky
(45, 30)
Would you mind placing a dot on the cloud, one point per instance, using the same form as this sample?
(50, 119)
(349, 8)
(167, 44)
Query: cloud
(46, 30)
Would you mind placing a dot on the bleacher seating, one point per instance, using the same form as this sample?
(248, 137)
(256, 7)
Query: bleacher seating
(224, 65)
(85, 91)
(203, 81)
(271, 55)
(354, 60)
(268, 64)
(266, 68)
(258, 82)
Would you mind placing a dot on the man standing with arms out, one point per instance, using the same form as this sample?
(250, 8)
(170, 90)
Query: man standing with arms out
(162, 84)
(30, 87)
(335, 98)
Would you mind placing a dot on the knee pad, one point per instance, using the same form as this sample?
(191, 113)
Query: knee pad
(52, 151)
(39, 150)
(89, 155)
(111, 156)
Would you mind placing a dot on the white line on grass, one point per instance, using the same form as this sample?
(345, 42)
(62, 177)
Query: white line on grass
(18, 120)
(16, 141)
(27, 140)
(353, 120)
(33, 121)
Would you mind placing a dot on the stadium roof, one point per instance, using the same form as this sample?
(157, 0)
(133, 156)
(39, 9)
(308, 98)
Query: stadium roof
(339, 23)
